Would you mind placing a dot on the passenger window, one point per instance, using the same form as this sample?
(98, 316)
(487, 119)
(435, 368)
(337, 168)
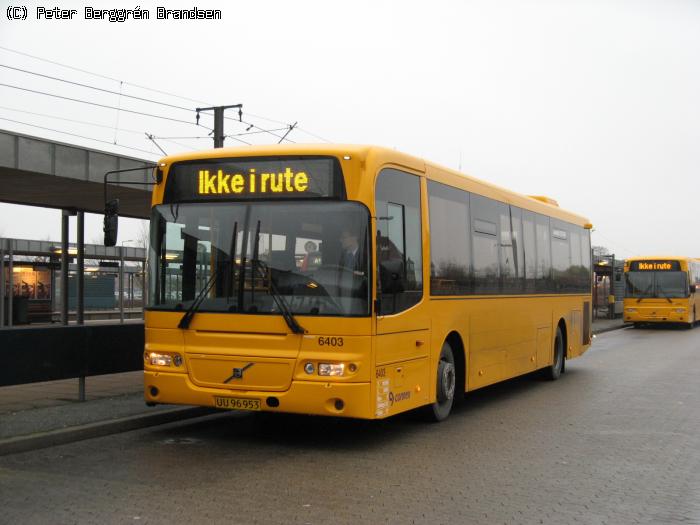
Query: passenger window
(530, 245)
(485, 219)
(509, 270)
(399, 243)
(518, 250)
(450, 259)
(543, 275)
(561, 258)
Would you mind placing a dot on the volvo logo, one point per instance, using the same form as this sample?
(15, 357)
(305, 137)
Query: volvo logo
(238, 372)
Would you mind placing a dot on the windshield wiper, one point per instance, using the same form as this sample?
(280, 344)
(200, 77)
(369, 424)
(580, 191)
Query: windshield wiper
(189, 314)
(665, 297)
(279, 299)
(645, 292)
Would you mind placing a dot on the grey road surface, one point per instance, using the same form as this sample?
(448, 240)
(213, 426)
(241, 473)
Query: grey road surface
(616, 440)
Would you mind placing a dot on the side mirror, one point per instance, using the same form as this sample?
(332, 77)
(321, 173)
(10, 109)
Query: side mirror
(111, 222)
(693, 288)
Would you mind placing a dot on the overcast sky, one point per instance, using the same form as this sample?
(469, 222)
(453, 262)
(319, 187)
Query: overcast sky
(595, 104)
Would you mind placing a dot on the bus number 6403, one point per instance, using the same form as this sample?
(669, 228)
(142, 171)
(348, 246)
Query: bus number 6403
(330, 341)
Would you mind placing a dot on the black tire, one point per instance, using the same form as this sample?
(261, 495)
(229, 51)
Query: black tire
(693, 321)
(554, 371)
(445, 382)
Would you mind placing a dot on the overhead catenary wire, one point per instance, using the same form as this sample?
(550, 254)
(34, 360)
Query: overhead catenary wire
(104, 126)
(80, 136)
(100, 75)
(75, 121)
(103, 90)
(120, 94)
(106, 106)
(128, 130)
(162, 92)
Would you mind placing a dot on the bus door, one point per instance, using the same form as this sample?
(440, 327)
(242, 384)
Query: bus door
(403, 322)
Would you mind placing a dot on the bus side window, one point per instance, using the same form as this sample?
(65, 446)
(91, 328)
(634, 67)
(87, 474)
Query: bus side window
(543, 276)
(530, 244)
(399, 243)
(450, 250)
(561, 256)
(512, 255)
(485, 240)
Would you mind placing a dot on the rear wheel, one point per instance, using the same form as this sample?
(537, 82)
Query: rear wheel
(692, 320)
(554, 371)
(445, 386)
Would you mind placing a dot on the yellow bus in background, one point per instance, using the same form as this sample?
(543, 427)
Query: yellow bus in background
(353, 281)
(662, 290)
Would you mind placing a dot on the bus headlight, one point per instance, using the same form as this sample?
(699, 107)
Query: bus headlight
(680, 310)
(331, 369)
(162, 359)
(631, 310)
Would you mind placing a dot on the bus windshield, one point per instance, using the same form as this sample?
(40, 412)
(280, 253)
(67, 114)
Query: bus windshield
(313, 256)
(663, 284)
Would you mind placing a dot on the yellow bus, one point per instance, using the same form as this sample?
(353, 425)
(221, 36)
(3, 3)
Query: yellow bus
(662, 290)
(353, 281)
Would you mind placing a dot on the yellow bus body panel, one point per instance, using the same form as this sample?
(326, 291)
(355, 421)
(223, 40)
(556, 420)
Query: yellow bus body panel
(394, 357)
(659, 309)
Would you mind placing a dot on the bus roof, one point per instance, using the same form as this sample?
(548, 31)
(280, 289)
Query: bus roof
(379, 155)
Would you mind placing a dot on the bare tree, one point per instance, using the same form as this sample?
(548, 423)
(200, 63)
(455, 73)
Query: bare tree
(143, 234)
(600, 250)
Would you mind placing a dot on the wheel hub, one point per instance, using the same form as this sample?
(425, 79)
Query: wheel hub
(446, 390)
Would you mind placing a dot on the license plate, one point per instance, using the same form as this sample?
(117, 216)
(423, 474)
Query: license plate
(236, 403)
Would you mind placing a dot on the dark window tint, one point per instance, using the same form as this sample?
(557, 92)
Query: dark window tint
(543, 281)
(561, 258)
(586, 263)
(530, 245)
(485, 241)
(511, 250)
(399, 248)
(450, 261)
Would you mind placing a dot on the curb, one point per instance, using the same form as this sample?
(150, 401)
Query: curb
(63, 436)
(611, 328)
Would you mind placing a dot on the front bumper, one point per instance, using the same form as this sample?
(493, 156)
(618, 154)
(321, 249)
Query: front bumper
(656, 315)
(302, 397)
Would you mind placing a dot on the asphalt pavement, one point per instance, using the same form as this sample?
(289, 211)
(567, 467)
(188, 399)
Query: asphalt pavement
(616, 440)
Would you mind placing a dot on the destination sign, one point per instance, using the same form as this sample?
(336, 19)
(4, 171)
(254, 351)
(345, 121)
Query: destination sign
(656, 266)
(222, 183)
(233, 179)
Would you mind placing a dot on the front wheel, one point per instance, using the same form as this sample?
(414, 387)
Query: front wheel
(445, 386)
(554, 371)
